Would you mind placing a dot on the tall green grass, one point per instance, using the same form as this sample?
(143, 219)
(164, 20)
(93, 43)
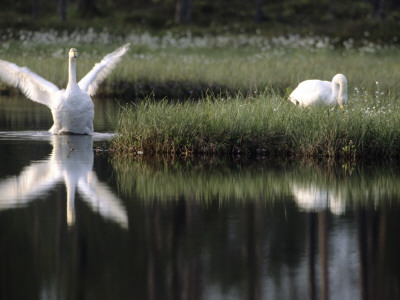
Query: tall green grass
(264, 123)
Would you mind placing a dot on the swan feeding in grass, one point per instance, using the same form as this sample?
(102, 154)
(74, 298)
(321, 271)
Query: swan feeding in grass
(313, 92)
(72, 108)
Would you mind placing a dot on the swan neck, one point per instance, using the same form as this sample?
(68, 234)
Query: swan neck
(335, 89)
(72, 71)
(340, 90)
(342, 93)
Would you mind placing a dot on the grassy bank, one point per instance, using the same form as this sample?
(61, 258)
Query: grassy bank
(262, 124)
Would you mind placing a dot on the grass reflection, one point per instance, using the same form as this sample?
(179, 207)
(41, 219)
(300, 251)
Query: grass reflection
(311, 185)
(199, 180)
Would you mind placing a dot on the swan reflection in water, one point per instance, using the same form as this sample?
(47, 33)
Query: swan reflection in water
(71, 163)
(311, 197)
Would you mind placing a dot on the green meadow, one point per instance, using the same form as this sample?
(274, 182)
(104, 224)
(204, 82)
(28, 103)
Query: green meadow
(186, 94)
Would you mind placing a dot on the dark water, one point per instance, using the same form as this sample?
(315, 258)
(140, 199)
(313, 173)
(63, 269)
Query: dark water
(77, 224)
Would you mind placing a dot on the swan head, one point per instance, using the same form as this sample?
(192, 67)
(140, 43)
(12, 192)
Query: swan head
(342, 101)
(73, 53)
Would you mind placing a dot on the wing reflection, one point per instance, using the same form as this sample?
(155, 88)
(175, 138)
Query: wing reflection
(71, 162)
(311, 197)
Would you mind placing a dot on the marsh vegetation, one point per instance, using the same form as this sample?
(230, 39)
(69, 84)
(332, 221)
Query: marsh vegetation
(263, 124)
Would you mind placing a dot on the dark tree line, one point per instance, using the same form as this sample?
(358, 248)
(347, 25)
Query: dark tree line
(183, 8)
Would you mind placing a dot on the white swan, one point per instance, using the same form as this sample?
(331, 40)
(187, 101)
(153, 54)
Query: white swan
(72, 108)
(311, 92)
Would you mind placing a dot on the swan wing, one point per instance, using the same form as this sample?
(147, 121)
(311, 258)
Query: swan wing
(31, 85)
(101, 70)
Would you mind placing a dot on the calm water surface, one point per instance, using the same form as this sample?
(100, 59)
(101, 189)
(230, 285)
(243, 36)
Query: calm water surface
(77, 224)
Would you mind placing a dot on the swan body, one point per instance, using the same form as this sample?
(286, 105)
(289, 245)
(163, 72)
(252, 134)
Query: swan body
(72, 108)
(314, 92)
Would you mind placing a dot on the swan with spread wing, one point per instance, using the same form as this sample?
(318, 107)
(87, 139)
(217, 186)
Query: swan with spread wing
(72, 108)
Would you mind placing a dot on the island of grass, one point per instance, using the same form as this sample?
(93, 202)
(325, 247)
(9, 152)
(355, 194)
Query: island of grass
(264, 124)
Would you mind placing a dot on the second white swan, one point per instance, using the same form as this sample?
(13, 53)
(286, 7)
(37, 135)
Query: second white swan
(312, 92)
(72, 108)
